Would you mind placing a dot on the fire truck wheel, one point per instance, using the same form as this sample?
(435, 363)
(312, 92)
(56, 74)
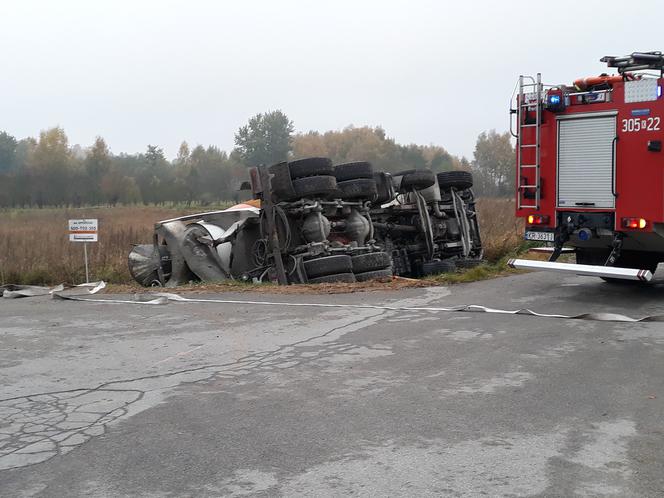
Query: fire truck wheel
(374, 275)
(384, 187)
(371, 261)
(351, 171)
(436, 267)
(328, 265)
(360, 188)
(460, 180)
(319, 186)
(418, 180)
(282, 186)
(310, 166)
(345, 278)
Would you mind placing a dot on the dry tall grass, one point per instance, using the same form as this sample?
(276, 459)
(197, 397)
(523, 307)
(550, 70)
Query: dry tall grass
(34, 246)
(502, 232)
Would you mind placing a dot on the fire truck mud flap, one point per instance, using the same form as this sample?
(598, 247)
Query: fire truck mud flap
(586, 270)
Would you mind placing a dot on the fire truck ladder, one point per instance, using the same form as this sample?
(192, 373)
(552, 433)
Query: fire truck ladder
(529, 89)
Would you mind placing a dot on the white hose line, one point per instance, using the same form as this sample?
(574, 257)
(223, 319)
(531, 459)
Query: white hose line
(157, 300)
(12, 291)
(164, 297)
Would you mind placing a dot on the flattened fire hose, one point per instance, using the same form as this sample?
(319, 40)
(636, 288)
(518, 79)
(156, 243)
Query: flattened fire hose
(160, 298)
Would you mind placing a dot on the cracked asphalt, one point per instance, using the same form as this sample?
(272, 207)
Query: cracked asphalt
(194, 399)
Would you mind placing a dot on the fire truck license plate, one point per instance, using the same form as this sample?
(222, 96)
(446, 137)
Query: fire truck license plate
(541, 236)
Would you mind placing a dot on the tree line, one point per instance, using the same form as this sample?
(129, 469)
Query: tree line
(48, 171)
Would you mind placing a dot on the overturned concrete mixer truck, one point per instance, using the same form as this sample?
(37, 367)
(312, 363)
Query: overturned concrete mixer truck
(312, 222)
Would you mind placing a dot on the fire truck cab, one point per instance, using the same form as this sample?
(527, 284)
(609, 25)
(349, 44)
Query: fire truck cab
(590, 168)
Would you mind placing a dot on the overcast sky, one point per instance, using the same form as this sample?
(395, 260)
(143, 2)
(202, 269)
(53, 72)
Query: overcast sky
(158, 72)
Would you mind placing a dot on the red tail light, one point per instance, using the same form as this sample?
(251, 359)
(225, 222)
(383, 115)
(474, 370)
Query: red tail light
(538, 219)
(634, 223)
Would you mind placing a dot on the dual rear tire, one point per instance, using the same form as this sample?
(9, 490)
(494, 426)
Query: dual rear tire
(345, 268)
(460, 180)
(330, 269)
(317, 177)
(356, 181)
(372, 266)
(438, 267)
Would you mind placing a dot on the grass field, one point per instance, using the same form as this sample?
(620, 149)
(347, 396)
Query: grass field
(34, 246)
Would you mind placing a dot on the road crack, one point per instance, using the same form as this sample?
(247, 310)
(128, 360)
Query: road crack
(39, 426)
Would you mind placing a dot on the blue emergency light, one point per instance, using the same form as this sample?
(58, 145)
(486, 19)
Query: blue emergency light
(555, 100)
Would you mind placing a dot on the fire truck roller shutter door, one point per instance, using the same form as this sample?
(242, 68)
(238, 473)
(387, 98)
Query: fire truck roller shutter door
(586, 161)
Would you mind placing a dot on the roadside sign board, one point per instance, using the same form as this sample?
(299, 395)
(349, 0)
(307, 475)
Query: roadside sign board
(85, 230)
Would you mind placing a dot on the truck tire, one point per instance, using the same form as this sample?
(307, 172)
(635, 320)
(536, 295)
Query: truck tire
(468, 263)
(371, 261)
(351, 171)
(418, 180)
(360, 188)
(328, 265)
(437, 267)
(373, 275)
(460, 180)
(320, 186)
(346, 278)
(310, 166)
(405, 172)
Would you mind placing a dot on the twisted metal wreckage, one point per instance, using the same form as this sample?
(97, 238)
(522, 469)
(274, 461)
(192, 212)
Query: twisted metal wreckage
(312, 222)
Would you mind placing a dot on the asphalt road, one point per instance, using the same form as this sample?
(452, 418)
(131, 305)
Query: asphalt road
(215, 399)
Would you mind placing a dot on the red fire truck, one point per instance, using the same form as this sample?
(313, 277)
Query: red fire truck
(590, 168)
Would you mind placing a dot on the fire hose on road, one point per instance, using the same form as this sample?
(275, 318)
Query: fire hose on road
(162, 298)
